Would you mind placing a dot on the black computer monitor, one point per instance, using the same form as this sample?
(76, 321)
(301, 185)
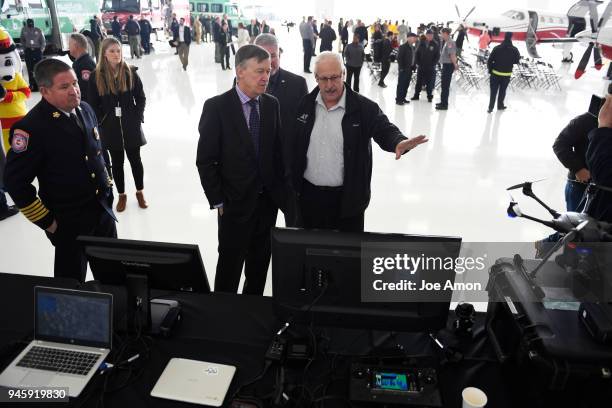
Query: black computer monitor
(143, 265)
(302, 259)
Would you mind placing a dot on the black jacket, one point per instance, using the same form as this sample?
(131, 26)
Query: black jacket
(427, 55)
(186, 34)
(116, 28)
(599, 162)
(253, 30)
(571, 144)
(362, 32)
(123, 132)
(94, 27)
(84, 67)
(503, 57)
(327, 36)
(377, 43)
(362, 122)
(68, 163)
(404, 57)
(344, 34)
(132, 27)
(226, 157)
(225, 38)
(145, 27)
(386, 50)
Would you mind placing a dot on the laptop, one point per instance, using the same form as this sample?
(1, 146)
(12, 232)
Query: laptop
(72, 337)
(197, 382)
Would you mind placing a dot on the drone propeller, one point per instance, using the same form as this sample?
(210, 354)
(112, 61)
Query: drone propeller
(525, 184)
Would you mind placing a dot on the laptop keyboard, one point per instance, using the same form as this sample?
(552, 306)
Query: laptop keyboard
(62, 361)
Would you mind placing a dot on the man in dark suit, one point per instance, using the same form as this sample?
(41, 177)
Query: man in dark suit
(182, 38)
(331, 167)
(289, 89)
(58, 143)
(240, 161)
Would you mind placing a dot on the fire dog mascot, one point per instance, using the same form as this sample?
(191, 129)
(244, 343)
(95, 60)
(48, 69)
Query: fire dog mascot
(13, 88)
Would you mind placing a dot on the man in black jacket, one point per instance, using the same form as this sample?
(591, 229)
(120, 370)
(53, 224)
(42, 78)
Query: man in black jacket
(83, 64)
(362, 31)
(385, 59)
(240, 161)
(58, 143)
(500, 63)
(405, 66)
(331, 168)
(145, 34)
(427, 56)
(133, 31)
(289, 89)
(570, 148)
(328, 36)
(599, 162)
(182, 39)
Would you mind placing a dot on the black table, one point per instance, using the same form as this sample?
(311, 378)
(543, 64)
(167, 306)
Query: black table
(236, 330)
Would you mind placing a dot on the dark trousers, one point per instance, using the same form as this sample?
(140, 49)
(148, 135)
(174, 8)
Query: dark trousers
(145, 41)
(92, 220)
(350, 71)
(403, 83)
(307, 44)
(245, 241)
(321, 208)
(499, 84)
(424, 79)
(32, 57)
(385, 66)
(118, 159)
(447, 75)
(225, 57)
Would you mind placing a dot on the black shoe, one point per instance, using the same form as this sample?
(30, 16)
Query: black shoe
(489, 110)
(184, 68)
(399, 103)
(441, 107)
(414, 98)
(308, 71)
(502, 107)
(382, 85)
(10, 211)
(406, 101)
(429, 99)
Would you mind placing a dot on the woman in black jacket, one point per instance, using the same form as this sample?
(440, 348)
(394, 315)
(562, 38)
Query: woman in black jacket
(117, 96)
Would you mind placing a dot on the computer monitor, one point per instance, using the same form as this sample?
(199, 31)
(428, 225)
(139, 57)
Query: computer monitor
(142, 265)
(303, 259)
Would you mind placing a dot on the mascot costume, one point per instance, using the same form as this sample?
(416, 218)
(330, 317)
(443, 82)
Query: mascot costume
(13, 88)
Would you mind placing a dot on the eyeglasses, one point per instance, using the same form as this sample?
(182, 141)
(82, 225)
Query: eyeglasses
(333, 78)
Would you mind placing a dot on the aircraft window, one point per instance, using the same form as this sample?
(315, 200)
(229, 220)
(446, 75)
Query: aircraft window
(203, 7)
(191, 7)
(509, 13)
(216, 8)
(519, 16)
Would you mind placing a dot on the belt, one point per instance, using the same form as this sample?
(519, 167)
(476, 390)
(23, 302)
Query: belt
(323, 188)
(504, 74)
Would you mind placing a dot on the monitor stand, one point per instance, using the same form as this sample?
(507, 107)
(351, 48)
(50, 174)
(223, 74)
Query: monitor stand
(165, 314)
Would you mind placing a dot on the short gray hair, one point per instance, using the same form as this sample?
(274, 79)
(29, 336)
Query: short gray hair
(80, 40)
(249, 51)
(327, 55)
(266, 40)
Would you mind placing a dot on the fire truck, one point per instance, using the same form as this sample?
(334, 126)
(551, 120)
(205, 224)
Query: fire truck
(158, 12)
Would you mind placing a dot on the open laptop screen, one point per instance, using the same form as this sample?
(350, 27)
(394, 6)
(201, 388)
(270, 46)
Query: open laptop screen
(73, 317)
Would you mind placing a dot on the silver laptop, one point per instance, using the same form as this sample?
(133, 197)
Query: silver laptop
(72, 337)
(198, 382)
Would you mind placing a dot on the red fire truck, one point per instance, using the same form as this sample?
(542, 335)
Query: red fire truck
(158, 12)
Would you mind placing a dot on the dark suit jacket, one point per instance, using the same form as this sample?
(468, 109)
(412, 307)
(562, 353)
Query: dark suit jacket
(226, 157)
(186, 34)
